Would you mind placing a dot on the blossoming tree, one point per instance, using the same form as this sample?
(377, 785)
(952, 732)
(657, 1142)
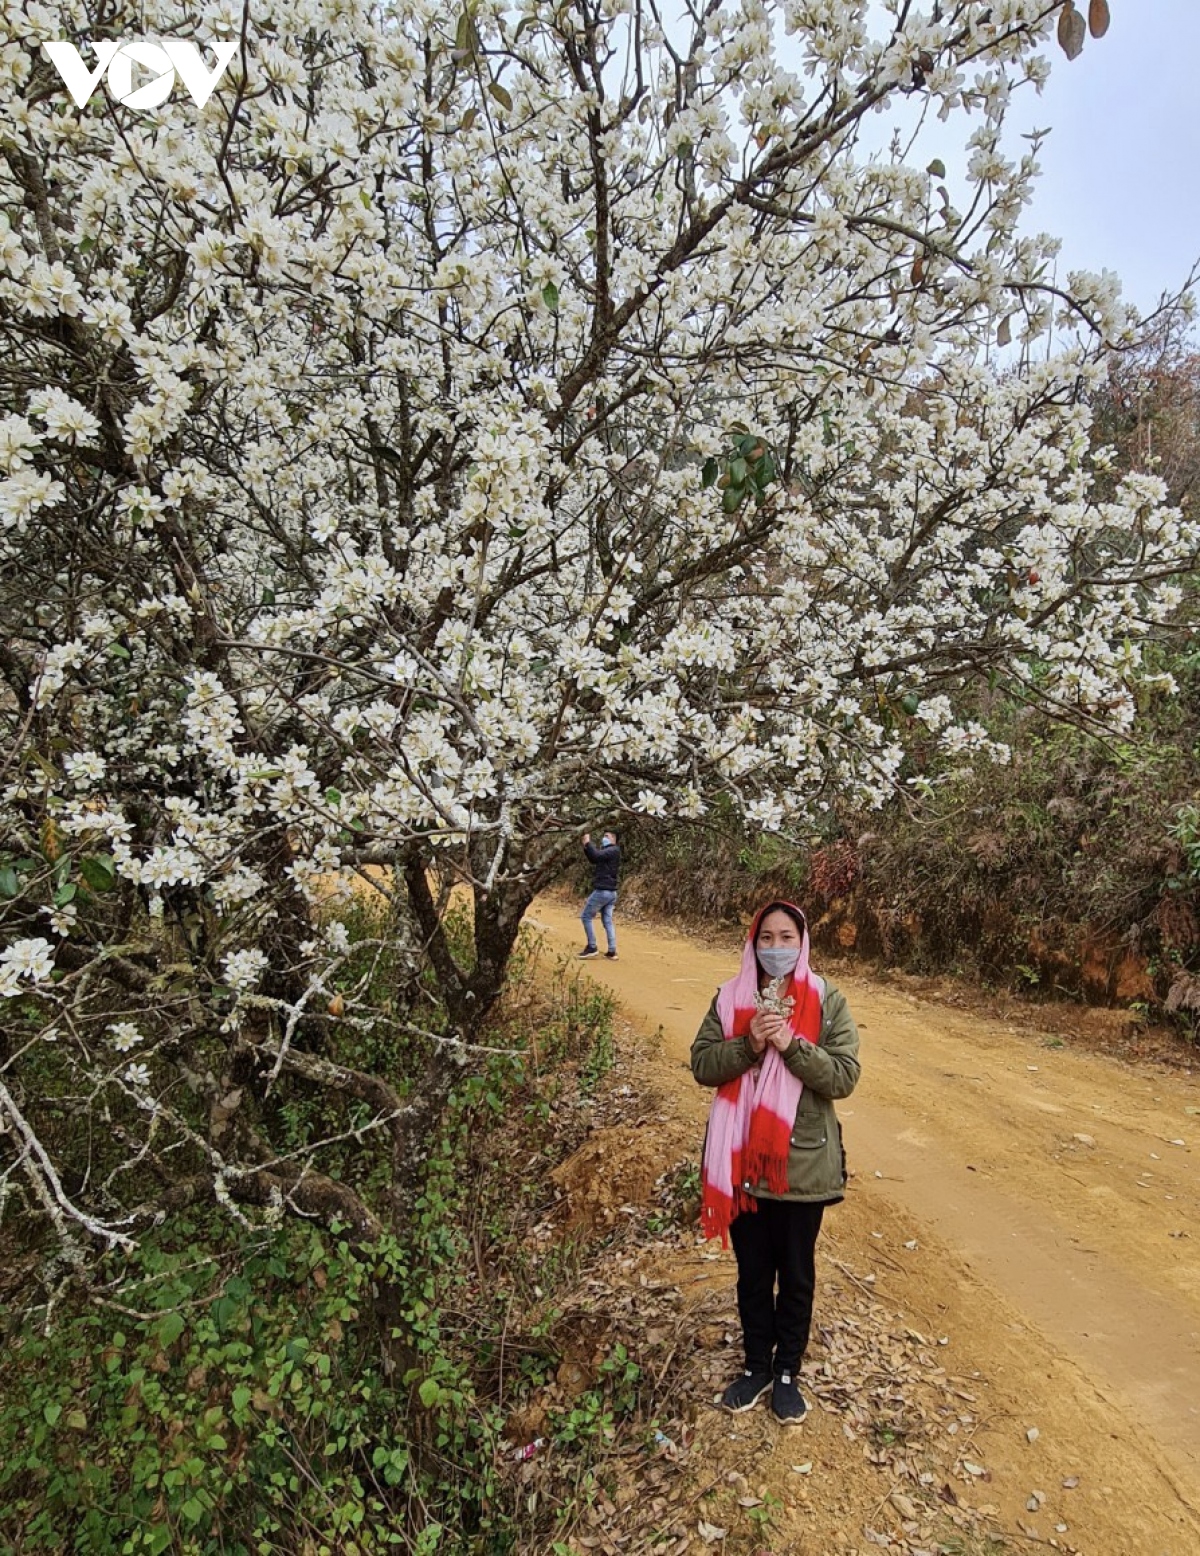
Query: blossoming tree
(465, 420)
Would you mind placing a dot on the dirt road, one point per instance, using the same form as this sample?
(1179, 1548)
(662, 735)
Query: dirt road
(1039, 1202)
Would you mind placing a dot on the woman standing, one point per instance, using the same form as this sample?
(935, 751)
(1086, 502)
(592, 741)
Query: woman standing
(780, 1045)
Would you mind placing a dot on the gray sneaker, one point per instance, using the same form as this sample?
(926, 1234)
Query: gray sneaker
(745, 1392)
(788, 1404)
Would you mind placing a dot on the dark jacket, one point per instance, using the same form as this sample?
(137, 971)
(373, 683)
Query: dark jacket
(607, 862)
(829, 1068)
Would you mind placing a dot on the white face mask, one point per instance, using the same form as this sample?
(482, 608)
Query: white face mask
(778, 960)
(606, 841)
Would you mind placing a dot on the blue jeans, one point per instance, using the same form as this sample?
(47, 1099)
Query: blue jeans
(599, 902)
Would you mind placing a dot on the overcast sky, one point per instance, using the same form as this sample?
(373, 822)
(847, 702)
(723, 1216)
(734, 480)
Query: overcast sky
(1121, 170)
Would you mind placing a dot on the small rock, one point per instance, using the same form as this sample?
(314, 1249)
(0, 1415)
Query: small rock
(1032, 1434)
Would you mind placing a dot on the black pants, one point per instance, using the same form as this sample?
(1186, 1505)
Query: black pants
(776, 1243)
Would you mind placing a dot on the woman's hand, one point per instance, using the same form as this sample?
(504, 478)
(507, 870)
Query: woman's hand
(762, 1030)
(781, 1037)
(766, 1027)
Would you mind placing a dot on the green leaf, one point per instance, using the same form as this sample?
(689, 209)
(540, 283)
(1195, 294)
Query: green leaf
(99, 871)
(764, 472)
(937, 168)
(550, 296)
(429, 1392)
(268, 597)
(365, 196)
(737, 472)
(193, 1510)
(119, 650)
(333, 796)
(51, 1413)
(707, 476)
(9, 884)
(910, 702)
(732, 500)
(224, 1311)
(241, 1398)
(65, 894)
(501, 94)
(170, 1327)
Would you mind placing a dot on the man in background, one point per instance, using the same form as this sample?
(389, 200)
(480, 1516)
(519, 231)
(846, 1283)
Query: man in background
(606, 862)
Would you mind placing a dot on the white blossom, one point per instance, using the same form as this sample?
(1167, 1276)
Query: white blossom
(124, 1035)
(63, 919)
(30, 958)
(85, 768)
(243, 969)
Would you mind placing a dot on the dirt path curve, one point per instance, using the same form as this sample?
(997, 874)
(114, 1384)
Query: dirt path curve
(1063, 1187)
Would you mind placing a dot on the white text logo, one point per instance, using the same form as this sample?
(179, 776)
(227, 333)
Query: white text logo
(165, 58)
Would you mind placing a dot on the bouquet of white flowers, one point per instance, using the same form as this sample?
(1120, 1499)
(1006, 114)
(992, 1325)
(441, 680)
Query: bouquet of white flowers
(773, 1001)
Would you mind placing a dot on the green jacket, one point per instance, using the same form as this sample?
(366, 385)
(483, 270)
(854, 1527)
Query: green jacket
(829, 1068)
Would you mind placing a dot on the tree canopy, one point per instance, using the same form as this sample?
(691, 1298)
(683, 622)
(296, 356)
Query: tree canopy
(467, 421)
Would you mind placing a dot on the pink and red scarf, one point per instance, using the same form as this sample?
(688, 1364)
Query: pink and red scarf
(750, 1126)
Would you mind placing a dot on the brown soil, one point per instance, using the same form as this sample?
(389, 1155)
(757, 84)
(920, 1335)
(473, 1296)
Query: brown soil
(1009, 1299)
(613, 1171)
